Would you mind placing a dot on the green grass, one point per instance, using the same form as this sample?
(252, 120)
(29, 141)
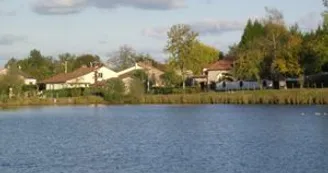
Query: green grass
(290, 97)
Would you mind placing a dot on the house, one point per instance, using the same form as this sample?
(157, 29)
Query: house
(28, 79)
(218, 70)
(127, 75)
(80, 78)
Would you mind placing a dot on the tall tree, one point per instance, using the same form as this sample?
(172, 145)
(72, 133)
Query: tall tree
(11, 62)
(123, 58)
(65, 63)
(37, 65)
(180, 45)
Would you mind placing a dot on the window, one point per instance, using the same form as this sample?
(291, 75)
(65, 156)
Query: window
(100, 75)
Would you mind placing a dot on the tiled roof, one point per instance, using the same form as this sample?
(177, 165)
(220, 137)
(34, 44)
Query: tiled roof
(63, 77)
(158, 66)
(221, 65)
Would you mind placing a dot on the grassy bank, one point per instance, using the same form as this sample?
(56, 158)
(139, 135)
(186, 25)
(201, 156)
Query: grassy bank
(288, 97)
(49, 101)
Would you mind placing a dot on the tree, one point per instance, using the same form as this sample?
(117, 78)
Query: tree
(202, 55)
(268, 49)
(37, 65)
(124, 58)
(11, 62)
(248, 65)
(11, 80)
(170, 78)
(252, 31)
(180, 45)
(87, 60)
(114, 90)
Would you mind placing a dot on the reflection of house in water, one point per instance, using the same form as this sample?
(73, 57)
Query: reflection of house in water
(216, 72)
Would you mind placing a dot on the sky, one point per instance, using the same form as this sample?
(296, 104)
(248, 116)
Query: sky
(102, 26)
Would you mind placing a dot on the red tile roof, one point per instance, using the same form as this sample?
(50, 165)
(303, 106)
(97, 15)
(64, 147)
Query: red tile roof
(63, 77)
(220, 65)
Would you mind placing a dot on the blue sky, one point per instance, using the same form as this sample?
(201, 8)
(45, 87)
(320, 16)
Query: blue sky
(101, 26)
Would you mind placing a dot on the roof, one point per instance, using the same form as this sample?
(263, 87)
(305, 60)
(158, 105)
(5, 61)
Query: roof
(158, 66)
(128, 74)
(63, 77)
(224, 64)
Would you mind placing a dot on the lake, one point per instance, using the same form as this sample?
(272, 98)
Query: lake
(165, 139)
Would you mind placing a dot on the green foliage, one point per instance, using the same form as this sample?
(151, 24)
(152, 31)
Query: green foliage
(180, 45)
(136, 90)
(202, 55)
(11, 80)
(269, 49)
(114, 90)
(252, 31)
(141, 75)
(170, 78)
(87, 60)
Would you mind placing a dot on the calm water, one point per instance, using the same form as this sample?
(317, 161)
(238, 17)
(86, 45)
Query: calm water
(165, 139)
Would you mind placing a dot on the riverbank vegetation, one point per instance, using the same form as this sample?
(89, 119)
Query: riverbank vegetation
(286, 97)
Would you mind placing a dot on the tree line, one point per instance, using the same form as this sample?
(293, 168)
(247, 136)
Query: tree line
(269, 49)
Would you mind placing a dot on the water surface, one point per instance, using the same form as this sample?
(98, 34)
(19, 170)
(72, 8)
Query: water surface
(165, 139)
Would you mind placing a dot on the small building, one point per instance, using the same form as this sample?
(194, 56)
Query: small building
(80, 78)
(28, 79)
(127, 75)
(217, 70)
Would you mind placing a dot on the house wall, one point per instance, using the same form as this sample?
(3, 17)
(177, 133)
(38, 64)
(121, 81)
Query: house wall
(65, 86)
(90, 77)
(213, 75)
(157, 74)
(29, 81)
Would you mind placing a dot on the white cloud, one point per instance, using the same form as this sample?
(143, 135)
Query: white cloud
(53, 7)
(205, 27)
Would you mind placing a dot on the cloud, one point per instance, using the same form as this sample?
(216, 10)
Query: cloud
(9, 39)
(205, 27)
(310, 21)
(60, 7)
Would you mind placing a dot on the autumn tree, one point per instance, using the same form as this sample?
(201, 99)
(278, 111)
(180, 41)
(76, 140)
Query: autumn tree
(202, 55)
(180, 45)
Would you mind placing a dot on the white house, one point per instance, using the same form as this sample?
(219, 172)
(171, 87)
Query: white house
(82, 77)
(28, 80)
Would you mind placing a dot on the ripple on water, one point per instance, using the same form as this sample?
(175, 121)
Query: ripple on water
(184, 139)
